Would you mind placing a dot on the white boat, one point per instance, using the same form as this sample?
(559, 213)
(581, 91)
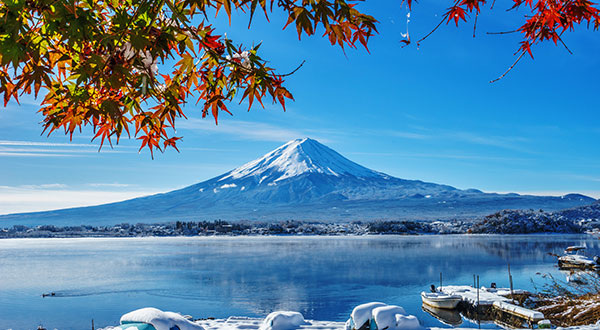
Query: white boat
(574, 258)
(446, 316)
(440, 300)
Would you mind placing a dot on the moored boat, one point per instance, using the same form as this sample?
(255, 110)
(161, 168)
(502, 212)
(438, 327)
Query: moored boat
(447, 316)
(574, 258)
(440, 300)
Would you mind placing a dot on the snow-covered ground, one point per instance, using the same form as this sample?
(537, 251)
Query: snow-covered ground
(243, 323)
(385, 316)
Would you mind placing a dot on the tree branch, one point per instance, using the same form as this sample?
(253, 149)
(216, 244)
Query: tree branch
(437, 26)
(511, 67)
(294, 71)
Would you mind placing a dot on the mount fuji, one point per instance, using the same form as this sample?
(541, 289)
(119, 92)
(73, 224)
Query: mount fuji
(302, 180)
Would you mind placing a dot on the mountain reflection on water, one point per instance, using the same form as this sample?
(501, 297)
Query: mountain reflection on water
(321, 277)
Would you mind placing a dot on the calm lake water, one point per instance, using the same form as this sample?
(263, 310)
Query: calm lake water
(321, 277)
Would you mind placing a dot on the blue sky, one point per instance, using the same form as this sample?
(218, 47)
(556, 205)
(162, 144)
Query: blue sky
(424, 113)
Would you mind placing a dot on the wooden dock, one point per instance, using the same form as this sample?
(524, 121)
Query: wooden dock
(493, 304)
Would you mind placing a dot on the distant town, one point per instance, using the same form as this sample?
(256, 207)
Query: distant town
(576, 220)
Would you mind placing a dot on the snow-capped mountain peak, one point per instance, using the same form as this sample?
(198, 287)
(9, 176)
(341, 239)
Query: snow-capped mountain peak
(302, 180)
(298, 157)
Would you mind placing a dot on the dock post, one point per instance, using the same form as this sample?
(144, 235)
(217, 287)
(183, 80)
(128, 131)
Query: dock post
(477, 291)
(510, 282)
(477, 308)
(440, 281)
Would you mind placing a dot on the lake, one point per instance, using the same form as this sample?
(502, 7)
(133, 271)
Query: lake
(321, 277)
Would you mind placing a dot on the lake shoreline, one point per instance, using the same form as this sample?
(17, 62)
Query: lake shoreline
(300, 228)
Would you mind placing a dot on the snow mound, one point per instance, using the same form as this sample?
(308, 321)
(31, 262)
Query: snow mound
(283, 321)
(382, 316)
(407, 322)
(394, 318)
(159, 319)
(362, 313)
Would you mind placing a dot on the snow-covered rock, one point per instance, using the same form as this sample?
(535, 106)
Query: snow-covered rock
(282, 320)
(363, 313)
(159, 319)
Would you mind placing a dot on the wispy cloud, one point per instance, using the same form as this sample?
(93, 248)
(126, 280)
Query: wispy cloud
(515, 143)
(109, 185)
(409, 135)
(580, 177)
(31, 198)
(506, 142)
(44, 186)
(246, 130)
(443, 156)
(15, 148)
(32, 154)
(43, 144)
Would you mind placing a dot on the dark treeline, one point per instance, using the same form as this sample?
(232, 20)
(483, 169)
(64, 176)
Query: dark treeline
(578, 220)
(220, 227)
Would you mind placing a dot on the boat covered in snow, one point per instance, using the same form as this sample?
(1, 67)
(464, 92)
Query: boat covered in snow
(440, 300)
(574, 258)
(155, 319)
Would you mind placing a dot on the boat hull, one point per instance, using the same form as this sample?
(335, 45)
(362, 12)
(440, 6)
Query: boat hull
(580, 263)
(446, 316)
(440, 301)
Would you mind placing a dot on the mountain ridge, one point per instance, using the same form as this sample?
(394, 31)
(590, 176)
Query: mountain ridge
(302, 180)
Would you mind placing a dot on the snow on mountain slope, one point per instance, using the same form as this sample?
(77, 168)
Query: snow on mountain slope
(298, 157)
(305, 170)
(302, 179)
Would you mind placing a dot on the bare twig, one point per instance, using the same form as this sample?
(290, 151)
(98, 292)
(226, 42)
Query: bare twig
(520, 56)
(511, 67)
(294, 71)
(430, 33)
(475, 25)
(503, 32)
(563, 43)
(436, 27)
